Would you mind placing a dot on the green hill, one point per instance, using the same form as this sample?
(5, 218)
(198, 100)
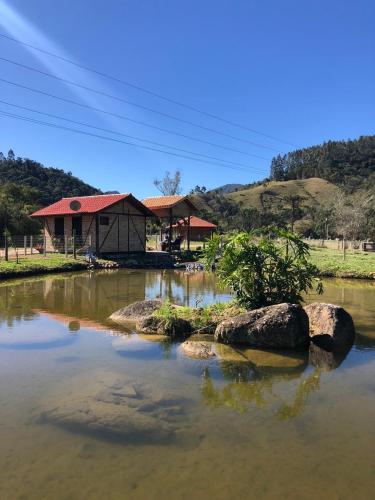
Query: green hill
(273, 195)
(50, 183)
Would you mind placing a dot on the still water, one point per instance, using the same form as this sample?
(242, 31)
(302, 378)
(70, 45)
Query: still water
(275, 426)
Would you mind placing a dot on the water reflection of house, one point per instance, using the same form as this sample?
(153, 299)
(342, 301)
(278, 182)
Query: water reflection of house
(75, 324)
(108, 223)
(93, 296)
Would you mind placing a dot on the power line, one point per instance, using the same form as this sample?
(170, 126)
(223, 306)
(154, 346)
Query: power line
(142, 89)
(127, 135)
(130, 103)
(123, 117)
(98, 136)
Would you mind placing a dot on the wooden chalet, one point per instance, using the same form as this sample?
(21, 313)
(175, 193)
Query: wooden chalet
(107, 223)
(172, 208)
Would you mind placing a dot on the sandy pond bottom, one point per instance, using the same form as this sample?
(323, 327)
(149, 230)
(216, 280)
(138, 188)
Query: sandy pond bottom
(84, 416)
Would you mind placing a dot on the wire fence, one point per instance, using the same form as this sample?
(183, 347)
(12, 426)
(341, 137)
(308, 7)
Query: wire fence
(14, 247)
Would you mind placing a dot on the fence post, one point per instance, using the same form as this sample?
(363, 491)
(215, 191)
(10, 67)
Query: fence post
(31, 245)
(6, 246)
(66, 245)
(25, 244)
(44, 245)
(74, 244)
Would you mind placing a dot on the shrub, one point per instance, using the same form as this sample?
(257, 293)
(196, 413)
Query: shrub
(263, 267)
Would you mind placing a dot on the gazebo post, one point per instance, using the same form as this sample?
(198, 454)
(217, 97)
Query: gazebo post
(170, 231)
(188, 233)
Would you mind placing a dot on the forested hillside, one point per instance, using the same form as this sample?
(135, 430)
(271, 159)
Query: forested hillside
(52, 183)
(348, 164)
(26, 185)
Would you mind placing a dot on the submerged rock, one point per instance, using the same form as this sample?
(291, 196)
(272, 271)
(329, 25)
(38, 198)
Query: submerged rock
(198, 347)
(111, 405)
(282, 326)
(332, 324)
(275, 360)
(136, 312)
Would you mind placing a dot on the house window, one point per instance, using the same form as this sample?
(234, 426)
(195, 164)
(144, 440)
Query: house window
(104, 221)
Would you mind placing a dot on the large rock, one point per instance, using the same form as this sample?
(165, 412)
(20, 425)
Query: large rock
(113, 406)
(330, 322)
(136, 312)
(173, 327)
(283, 326)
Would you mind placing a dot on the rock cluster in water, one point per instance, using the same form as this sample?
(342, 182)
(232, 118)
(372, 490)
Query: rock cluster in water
(281, 326)
(112, 405)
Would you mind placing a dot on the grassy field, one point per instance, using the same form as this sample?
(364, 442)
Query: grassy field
(357, 264)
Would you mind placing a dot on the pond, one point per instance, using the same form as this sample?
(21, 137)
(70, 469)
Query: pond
(276, 426)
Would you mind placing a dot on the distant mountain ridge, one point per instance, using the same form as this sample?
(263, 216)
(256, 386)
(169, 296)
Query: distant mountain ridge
(228, 188)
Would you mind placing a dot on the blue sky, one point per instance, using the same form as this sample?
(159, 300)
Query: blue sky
(302, 72)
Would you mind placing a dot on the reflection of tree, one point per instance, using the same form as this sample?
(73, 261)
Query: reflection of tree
(16, 303)
(258, 389)
(304, 389)
(235, 395)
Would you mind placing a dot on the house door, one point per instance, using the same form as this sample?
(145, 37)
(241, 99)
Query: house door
(77, 226)
(59, 226)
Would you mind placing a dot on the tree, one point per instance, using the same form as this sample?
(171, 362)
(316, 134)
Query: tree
(352, 215)
(169, 186)
(263, 267)
(278, 168)
(16, 203)
(11, 156)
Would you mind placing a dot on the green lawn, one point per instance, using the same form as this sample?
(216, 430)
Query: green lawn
(357, 264)
(39, 264)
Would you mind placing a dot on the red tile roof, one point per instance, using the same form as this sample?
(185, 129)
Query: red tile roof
(196, 222)
(87, 205)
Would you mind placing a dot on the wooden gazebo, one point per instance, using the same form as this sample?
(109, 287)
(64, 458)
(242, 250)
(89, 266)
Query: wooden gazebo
(172, 209)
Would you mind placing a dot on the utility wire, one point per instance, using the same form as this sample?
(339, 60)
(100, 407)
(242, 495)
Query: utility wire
(142, 89)
(128, 136)
(130, 103)
(98, 136)
(123, 117)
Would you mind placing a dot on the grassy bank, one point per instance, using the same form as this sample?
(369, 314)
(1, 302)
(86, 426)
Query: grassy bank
(331, 263)
(38, 264)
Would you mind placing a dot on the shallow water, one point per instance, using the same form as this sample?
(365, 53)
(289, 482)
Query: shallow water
(273, 427)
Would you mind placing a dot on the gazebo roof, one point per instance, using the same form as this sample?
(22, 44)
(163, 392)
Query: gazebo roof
(160, 205)
(196, 222)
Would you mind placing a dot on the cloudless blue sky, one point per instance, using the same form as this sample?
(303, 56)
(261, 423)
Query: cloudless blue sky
(301, 71)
